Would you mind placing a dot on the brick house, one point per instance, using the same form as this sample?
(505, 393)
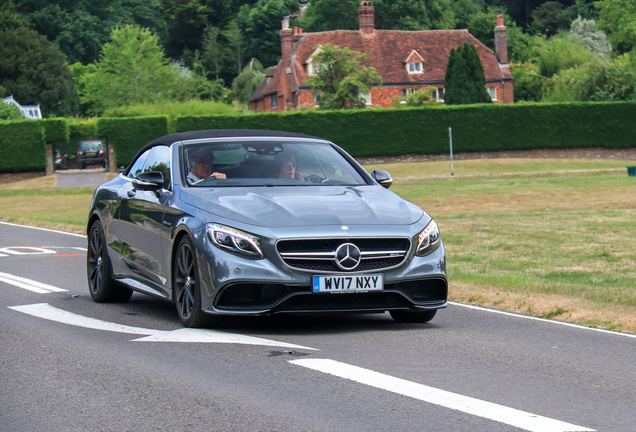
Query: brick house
(406, 61)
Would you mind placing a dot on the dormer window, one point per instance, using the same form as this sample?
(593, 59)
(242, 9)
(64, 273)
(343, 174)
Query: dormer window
(415, 68)
(312, 68)
(414, 63)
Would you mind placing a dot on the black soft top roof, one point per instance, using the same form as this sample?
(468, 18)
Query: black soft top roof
(221, 133)
(168, 140)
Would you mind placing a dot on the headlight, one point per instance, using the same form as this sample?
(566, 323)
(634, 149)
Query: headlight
(428, 239)
(235, 241)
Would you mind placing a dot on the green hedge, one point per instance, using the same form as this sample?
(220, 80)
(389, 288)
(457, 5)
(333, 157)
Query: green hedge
(372, 132)
(386, 132)
(129, 134)
(22, 146)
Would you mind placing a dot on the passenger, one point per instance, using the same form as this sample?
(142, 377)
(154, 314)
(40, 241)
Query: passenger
(287, 167)
(201, 162)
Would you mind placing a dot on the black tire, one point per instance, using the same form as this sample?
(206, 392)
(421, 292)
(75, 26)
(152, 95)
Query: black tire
(99, 272)
(407, 316)
(185, 284)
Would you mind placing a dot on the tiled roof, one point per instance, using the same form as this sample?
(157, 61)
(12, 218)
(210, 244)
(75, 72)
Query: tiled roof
(387, 50)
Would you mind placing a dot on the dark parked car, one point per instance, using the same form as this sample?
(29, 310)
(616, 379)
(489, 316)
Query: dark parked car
(61, 162)
(91, 152)
(279, 223)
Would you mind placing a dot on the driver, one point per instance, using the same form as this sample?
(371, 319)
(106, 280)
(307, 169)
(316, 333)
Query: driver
(201, 161)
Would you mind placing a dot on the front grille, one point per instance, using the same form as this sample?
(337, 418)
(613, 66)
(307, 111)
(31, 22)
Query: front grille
(319, 255)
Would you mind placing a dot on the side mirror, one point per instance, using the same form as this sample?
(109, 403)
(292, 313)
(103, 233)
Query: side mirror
(382, 177)
(151, 181)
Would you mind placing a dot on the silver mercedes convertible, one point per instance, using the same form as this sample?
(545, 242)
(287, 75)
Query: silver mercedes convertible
(254, 222)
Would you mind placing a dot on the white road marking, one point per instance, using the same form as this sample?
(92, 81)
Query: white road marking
(28, 284)
(42, 229)
(499, 413)
(26, 250)
(545, 320)
(51, 313)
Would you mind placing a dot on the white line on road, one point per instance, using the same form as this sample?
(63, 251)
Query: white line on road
(499, 413)
(42, 229)
(547, 321)
(28, 284)
(51, 313)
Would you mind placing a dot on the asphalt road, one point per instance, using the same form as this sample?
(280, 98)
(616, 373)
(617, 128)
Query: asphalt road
(69, 364)
(90, 177)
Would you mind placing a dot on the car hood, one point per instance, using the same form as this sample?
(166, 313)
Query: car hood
(305, 205)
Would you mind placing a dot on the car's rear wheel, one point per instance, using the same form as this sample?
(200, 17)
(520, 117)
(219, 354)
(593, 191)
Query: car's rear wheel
(185, 283)
(413, 316)
(99, 271)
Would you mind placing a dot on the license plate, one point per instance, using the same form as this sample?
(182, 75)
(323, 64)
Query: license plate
(348, 283)
(91, 153)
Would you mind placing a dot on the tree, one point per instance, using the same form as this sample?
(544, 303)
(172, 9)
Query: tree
(415, 14)
(10, 112)
(464, 81)
(323, 15)
(595, 81)
(618, 19)
(261, 25)
(33, 69)
(585, 33)
(236, 45)
(340, 79)
(81, 27)
(213, 52)
(132, 69)
(246, 83)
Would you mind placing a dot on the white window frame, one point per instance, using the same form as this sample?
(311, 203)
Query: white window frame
(415, 68)
(438, 94)
(492, 92)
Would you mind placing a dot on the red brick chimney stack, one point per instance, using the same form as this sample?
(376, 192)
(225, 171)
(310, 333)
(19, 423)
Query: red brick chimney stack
(366, 13)
(501, 41)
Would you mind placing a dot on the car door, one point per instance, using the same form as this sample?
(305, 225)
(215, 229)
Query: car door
(141, 225)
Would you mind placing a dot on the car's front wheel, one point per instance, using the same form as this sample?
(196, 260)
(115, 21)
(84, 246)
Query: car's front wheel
(413, 316)
(99, 271)
(185, 283)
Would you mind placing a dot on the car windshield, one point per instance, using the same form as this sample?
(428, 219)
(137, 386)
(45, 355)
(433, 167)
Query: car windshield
(91, 146)
(267, 163)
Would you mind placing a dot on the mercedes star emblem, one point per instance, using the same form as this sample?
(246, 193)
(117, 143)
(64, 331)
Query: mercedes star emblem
(348, 256)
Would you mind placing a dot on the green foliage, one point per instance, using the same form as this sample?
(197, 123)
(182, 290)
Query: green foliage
(33, 69)
(246, 83)
(322, 15)
(10, 112)
(464, 81)
(415, 14)
(585, 33)
(560, 53)
(22, 146)
(129, 135)
(340, 79)
(598, 80)
(261, 24)
(132, 69)
(81, 27)
(618, 19)
(528, 82)
(419, 98)
(476, 128)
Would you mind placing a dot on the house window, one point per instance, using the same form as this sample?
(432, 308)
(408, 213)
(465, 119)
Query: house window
(273, 99)
(366, 98)
(408, 91)
(492, 91)
(438, 94)
(414, 67)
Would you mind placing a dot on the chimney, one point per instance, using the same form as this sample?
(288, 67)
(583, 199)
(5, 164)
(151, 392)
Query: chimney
(501, 41)
(366, 13)
(298, 35)
(285, 43)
